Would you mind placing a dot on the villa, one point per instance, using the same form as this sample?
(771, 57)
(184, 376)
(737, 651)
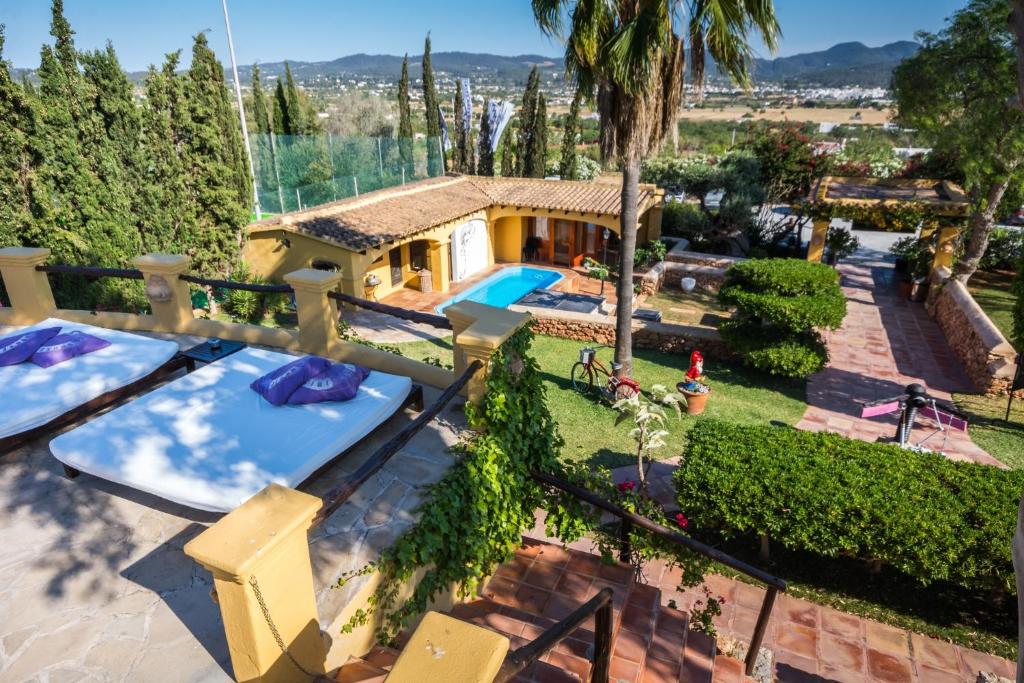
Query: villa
(453, 226)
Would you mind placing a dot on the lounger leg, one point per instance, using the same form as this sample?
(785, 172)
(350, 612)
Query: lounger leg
(70, 472)
(416, 398)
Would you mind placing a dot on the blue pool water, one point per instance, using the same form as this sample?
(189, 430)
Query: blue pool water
(505, 287)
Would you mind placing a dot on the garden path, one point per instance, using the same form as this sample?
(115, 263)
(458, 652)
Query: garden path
(884, 344)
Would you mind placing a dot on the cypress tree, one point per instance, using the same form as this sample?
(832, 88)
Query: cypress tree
(435, 163)
(282, 122)
(19, 159)
(485, 166)
(405, 121)
(222, 206)
(508, 159)
(569, 167)
(260, 112)
(461, 153)
(527, 115)
(295, 117)
(538, 140)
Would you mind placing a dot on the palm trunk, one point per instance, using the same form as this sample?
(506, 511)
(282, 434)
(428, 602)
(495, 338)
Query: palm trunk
(627, 249)
(982, 220)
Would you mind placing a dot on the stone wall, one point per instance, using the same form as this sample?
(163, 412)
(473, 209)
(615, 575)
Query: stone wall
(986, 355)
(709, 278)
(600, 329)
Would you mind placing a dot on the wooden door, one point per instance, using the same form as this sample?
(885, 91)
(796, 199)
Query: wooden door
(395, 260)
(563, 242)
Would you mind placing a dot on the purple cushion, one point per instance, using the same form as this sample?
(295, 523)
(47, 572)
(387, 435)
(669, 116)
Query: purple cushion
(18, 348)
(340, 383)
(276, 386)
(67, 346)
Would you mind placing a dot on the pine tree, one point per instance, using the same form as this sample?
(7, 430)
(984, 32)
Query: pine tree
(435, 162)
(508, 158)
(538, 140)
(569, 166)
(405, 122)
(296, 117)
(212, 154)
(485, 166)
(526, 120)
(20, 156)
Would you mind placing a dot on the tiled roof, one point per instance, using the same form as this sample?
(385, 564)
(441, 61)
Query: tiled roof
(383, 216)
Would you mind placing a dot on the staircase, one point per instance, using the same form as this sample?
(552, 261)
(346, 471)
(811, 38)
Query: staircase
(544, 583)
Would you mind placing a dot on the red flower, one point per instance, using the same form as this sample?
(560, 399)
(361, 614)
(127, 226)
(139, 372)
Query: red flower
(682, 521)
(627, 486)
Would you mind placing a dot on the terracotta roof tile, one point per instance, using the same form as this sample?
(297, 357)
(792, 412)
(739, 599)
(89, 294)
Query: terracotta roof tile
(383, 216)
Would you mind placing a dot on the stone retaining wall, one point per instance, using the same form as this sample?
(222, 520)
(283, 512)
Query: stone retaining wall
(600, 329)
(986, 355)
(709, 278)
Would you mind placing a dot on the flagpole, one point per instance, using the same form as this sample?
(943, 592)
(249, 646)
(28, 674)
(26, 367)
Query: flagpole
(241, 112)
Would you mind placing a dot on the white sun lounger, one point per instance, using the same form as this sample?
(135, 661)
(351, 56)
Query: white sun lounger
(35, 399)
(210, 442)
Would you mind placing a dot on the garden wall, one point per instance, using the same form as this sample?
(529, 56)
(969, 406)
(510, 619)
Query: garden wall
(986, 355)
(600, 329)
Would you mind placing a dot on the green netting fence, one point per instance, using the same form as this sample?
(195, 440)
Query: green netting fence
(300, 171)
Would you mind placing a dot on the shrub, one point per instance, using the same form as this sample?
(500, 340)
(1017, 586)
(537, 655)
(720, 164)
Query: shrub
(683, 219)
(251, 306)
(930, 518)
(1005, 249)
(781, 304)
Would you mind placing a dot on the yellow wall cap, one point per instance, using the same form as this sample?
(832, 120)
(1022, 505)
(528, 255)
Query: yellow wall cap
(12, 256)
(311, 278)
(236, 543)
(445, 649)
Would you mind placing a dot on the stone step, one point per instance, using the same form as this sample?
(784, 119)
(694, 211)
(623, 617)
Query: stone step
(382, 657)
(357, 670)
(698, 658)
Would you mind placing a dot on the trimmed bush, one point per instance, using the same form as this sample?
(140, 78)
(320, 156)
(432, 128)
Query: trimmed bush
(781, 305)
(931, 518)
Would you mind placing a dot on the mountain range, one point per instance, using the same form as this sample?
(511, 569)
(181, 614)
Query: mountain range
(840, 65)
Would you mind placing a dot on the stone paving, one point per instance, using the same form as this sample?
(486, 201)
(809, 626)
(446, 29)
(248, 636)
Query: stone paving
(884, 344)
(94, 585)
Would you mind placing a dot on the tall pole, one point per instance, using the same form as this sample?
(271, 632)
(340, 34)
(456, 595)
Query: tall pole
(241, 112)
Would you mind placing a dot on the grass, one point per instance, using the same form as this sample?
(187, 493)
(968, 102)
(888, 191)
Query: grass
(695, 308)
(587, 423)
(992, 292)
(1003, 440)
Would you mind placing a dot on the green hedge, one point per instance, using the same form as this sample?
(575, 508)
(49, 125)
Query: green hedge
(929, 517)
(781, 304)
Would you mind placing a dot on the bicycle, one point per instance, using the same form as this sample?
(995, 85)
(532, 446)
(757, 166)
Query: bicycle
(586, 369)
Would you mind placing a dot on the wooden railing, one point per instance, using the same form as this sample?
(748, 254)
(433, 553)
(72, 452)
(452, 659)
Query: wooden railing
(629, 520)
(337, 496)
(601, 607)
(404, 313)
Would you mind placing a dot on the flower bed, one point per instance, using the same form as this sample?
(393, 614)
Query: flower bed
(930, 518)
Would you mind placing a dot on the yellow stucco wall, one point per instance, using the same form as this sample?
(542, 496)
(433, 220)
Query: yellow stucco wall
(508, 235)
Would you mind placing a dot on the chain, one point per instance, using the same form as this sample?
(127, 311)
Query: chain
(273, 628)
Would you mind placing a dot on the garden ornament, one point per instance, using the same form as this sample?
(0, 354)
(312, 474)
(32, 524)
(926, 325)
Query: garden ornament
(694, 375)
(688, 284)
(913, 402)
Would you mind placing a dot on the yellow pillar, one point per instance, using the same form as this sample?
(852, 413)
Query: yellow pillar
(945, 248)
(445, 649)
(29, 289)
(654, 218)
(259, 557)
(317, 313)
(816, 249)
(478, 332)
(168, 296)
(440, 265)
(353, 275)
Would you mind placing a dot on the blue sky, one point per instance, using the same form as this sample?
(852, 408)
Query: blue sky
(270, 30)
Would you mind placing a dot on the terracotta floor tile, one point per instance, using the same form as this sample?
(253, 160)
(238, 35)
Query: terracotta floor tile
(798, 611)
(659, 671)
(835, 675)
(975, 661)
(927, 674)
(530, 599)
(798, 639)
(882, 666)
(934, 653)
(728, 670)
(631, 646)
(624, 671)
(885, 638)
(842, 654)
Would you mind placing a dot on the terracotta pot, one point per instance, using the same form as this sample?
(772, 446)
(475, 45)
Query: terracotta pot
(695, 402)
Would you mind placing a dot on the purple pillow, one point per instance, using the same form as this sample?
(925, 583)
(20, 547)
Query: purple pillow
(276, 386)
(67, 346)
(340, 383)
(18, 348)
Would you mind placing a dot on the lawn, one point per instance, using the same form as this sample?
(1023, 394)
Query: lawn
(1003, 440)
(992, 292)
(695, 308)
(588, 424)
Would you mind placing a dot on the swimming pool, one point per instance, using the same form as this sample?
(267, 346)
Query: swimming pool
(505, 287)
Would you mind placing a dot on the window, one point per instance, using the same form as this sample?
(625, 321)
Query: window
(418, 254)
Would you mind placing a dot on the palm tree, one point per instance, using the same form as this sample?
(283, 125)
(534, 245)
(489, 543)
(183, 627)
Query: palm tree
(630, 55)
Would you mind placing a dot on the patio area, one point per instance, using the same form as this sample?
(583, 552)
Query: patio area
(94, 585)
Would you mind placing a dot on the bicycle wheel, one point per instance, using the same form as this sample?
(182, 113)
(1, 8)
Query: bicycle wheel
(582, 378)
(623, 390)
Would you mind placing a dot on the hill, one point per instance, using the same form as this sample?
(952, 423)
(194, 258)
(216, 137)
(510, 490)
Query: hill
(842, 64)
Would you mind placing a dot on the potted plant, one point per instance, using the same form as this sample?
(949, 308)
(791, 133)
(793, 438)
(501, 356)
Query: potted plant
(840, 243)
(914, 260)
(695, 387)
